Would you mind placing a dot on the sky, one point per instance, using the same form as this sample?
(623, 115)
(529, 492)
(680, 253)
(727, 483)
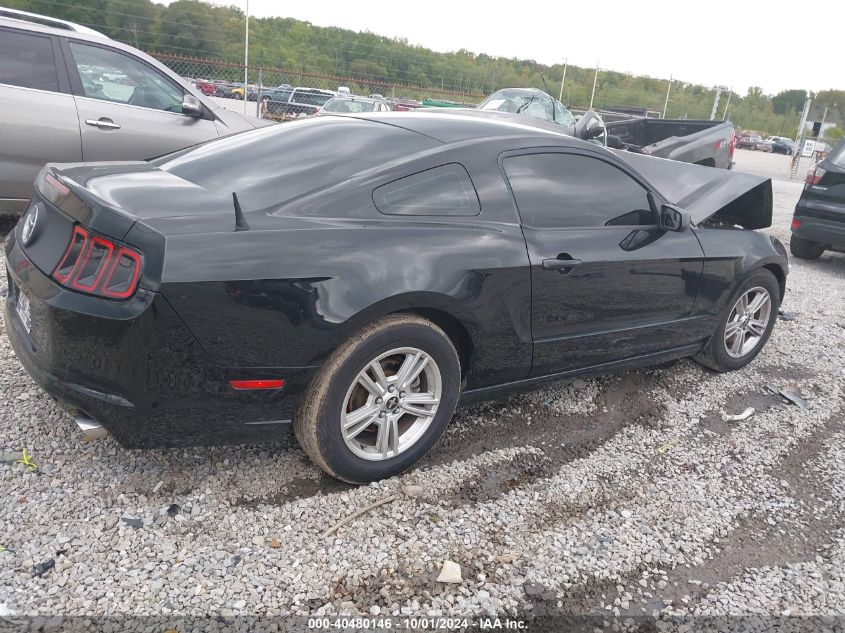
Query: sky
(775, 44)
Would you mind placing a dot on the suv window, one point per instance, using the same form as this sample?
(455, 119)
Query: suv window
(444, 190)
(310, 98)
(837, 156)
(27, 60)
(112, 76)
(570, 190)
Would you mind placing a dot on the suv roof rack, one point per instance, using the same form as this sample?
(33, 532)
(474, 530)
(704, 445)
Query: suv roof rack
(26, 16)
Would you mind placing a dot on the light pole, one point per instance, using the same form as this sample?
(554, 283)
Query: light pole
(595, 80)
(563, 79)
(666, 103)
(246, 52)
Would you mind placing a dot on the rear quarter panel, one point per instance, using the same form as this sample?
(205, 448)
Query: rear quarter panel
(299, 294)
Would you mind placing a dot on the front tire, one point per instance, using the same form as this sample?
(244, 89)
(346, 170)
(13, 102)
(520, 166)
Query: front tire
(381, 401)
(745, 325)
(805, 249)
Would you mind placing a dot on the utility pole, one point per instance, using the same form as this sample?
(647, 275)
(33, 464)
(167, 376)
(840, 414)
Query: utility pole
(796, 154)
(666, 103)
(565, 64)
(246, 52)
(716, 102)
(595, 80)
(821, 127)
(727, 105)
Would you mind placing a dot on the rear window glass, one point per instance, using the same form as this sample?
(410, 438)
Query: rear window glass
(348, 105)
(837, 156)
(444, 190)
(257, 165)
(27, 60)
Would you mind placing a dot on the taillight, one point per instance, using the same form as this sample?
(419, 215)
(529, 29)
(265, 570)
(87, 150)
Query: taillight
(795, 223)
(95, 265)
(55, 184)
(815, 175)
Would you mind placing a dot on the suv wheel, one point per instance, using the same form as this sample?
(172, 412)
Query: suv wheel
(805, 249)
(381, 401)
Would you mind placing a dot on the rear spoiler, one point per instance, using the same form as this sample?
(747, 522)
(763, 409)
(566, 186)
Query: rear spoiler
(708, 192)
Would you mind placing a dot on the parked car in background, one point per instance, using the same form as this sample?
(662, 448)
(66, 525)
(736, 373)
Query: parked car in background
(748, 141)
(205, 86)
(530, 102)
(251, 92)
(296, 102)
(380, 268)
(764, 145)
(70, 94)
(818, 223)
(404, 105)
(782, 145)
(353, 105)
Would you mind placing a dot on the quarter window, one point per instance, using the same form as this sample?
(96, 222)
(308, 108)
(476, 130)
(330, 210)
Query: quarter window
(112, 76)
(571, 190)
(444, 190)
(27, 61)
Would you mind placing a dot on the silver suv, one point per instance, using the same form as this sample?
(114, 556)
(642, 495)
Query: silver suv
(70, 94)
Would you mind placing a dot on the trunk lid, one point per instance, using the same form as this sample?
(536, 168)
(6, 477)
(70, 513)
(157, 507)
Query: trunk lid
(110, 197)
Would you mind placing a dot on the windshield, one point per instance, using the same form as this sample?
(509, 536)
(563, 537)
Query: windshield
(348, 105)
(536, 104)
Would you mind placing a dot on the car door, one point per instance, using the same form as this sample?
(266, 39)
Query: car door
(607, 283)
(39, 123)
(127, 109)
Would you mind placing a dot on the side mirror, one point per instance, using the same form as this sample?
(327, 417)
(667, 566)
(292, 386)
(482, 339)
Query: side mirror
(673, 219)
(593, 132)
(192, 106)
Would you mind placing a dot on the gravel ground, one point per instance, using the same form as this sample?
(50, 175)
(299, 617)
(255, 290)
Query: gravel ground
(622, 495)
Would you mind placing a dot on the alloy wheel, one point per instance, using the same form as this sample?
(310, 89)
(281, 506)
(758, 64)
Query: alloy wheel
(747, 322)
(391, 403)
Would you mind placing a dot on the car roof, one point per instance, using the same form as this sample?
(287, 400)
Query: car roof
(45, 24)
(345, 97)
(316, 90)
(453, 125)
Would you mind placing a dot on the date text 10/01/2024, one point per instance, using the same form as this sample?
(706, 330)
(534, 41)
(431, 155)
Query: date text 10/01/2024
(417, 623)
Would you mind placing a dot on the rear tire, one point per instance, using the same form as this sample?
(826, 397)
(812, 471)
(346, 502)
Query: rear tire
(727, 352)
(805, 249)
(354, 421)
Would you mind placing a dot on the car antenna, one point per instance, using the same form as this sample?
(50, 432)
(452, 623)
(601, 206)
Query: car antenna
(240, 220)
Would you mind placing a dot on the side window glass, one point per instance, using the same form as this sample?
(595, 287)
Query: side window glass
(444, 190)
(113, 76)
(26, 60)
(570, 190)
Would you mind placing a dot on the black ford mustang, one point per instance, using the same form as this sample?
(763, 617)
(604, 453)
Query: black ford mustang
(401, 263)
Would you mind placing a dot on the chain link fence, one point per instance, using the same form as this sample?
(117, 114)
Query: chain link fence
(270, 87)
(615, 95)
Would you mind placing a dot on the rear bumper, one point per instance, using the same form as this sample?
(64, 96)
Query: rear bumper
(823, 223)
(144, 378)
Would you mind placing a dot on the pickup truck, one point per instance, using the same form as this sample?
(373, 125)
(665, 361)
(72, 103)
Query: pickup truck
(709, 143)
(701, 142)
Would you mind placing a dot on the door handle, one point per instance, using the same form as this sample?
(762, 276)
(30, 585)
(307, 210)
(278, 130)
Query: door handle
(103, 124)
(563, 263)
